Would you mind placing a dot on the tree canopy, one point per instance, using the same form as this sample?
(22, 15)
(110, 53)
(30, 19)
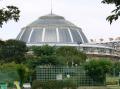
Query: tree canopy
(12, 50)
(9, 13)
(71, 55)
(97, 69)
(116, 12)
(48, 55)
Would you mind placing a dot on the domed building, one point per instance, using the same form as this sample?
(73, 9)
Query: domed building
(55, 30)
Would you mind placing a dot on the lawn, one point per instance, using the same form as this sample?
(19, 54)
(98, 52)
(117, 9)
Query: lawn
(98, 87)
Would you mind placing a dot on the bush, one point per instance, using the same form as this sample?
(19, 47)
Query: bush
(97, 69)
(53, 84)
(46, 84)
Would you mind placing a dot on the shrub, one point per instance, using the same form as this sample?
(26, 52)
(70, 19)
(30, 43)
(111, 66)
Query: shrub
(97, 69)
(53, 84)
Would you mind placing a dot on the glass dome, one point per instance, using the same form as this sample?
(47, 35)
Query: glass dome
(52, 29)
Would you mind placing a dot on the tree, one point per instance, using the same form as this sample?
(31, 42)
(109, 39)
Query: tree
(14, 50)
(71, 55)
(116, 11)
(51, 60)
(9, 13)
(43, 50)
(97, 69)
(2, 43)
(46, 55)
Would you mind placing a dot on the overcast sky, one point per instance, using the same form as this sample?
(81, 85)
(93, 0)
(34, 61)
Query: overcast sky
(90, 15)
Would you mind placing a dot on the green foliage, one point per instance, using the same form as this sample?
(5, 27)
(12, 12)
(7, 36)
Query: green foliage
(31, 62)
(97, 69)
(24, 73)
(13, 50)
(71, 55)
(115, 71)
(2, 43)
(43, 50)
(9, 13)
(10, 69)
(48, 55)
(116, 11)
(53, 84)
(8, 72)
(69, 84)
(50, 60)
(10, 66)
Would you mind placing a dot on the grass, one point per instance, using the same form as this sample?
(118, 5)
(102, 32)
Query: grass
(100, 87)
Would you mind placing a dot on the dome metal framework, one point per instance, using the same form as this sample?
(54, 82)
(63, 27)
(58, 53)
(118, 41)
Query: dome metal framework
(52, 29)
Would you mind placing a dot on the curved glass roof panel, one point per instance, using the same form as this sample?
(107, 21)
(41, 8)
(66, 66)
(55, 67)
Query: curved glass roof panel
(64, 35)
(50, 35)
(36, 36)
(76, 36)
(26, 35)
(83, 36)
(19, 35)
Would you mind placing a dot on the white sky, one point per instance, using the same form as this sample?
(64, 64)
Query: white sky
(90, 15)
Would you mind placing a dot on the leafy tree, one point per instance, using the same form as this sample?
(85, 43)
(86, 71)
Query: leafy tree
(51, 60)
(46, 55)
(2, 43)
(14, 50)
(43, 50)
(71, 55)
(9, 13)
(97, 69)
(116, 11)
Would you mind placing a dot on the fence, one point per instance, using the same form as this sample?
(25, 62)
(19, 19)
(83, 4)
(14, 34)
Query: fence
(75, 74)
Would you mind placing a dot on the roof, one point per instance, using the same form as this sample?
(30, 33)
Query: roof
(51, 19)
(52, 28)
